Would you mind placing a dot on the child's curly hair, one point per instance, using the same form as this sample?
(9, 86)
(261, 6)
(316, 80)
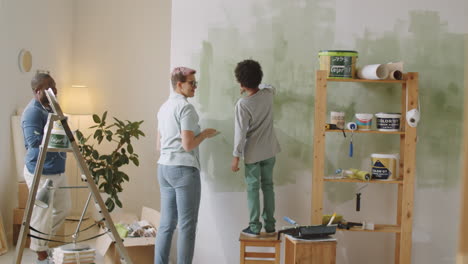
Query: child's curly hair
(249, 73)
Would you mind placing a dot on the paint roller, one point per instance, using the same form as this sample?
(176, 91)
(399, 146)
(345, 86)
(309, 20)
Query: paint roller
(354, 174)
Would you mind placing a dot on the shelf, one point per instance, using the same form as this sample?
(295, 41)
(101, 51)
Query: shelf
(403, 224)
(377, 228)
(359, 181)
(365, 81)
(366, 131)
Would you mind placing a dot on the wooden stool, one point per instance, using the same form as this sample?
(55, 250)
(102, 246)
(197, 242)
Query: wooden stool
(262, 241)
(298, 251)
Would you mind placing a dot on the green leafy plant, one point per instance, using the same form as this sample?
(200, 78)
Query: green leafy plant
(106, 168)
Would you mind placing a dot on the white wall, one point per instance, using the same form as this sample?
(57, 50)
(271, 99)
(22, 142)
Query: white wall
(121, 52)
(118, 48)
(43, 27)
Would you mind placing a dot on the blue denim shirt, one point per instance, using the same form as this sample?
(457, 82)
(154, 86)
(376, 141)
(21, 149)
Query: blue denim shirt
(33, 121)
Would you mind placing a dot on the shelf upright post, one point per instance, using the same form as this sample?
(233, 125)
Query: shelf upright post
(319, 147)
(409, 164)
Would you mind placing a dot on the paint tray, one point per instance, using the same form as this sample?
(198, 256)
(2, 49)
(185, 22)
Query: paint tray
(309, 232)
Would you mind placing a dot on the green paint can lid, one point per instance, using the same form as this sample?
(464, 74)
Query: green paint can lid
(338, 53)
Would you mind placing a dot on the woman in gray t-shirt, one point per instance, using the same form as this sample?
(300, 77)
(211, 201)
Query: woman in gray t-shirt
(179, 136)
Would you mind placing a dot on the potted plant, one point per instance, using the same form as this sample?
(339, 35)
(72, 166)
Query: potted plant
(106, 168)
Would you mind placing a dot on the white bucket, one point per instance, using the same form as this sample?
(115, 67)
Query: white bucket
(364, 121)
(388, 121)
(384, 166)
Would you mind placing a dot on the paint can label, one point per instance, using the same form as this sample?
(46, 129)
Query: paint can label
(337, 118)
(58, 137)
(340, 64)
(388, 122)
(58, 140)
(384, 168)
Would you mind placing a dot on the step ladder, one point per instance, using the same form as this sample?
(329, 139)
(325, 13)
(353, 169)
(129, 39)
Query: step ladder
(58, 115)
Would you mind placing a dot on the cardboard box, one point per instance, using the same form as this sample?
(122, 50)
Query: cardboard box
(18, 220)
(18, 216)
(23, 194)
(140, 249)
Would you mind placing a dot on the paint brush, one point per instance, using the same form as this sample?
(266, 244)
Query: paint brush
(331, 219)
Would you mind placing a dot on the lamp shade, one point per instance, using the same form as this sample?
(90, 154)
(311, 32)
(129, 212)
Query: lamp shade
(43, 195)
(76, 100)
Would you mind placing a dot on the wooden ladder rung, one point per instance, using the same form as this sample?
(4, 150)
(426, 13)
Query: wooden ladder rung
(258, 261)
(260, 244)
(259, 255)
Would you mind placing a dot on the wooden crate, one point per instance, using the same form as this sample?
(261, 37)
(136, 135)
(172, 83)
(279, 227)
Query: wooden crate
(258, 257)
(309, 251)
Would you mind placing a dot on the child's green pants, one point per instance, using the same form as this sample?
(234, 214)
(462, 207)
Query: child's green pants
(260, 175)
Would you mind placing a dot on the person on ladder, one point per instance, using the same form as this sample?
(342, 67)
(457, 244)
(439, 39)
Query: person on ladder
(255, 141)
(34, 119)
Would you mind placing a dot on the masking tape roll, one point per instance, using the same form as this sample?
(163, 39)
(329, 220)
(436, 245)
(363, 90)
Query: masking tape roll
(351, 126)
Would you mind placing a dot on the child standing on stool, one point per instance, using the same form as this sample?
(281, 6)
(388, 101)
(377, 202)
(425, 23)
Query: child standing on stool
(255, 141)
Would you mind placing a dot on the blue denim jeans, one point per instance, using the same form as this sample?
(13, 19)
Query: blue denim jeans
(180, 200)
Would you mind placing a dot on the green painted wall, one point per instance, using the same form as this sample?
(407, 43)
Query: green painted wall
(287, 47)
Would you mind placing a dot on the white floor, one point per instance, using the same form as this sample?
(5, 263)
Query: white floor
(29, 256)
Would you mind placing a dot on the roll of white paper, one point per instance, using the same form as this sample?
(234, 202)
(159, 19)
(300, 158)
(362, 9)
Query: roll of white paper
(395, 69)
(373, 72)
(395, 75)
(395, 66)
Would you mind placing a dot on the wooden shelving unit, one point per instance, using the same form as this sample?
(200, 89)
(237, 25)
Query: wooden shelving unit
(359, 181)
(405, 182)
(368, 132)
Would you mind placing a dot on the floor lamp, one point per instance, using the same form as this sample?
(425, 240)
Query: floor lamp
(77, 104)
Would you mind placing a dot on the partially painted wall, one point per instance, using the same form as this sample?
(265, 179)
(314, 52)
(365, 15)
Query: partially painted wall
(462, 256)
(285, 37)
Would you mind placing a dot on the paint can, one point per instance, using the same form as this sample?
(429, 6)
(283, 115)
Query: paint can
(384, 166)
(388, 121)
(364, 121)
(337, 118)
(58, 137)
(340, 64)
